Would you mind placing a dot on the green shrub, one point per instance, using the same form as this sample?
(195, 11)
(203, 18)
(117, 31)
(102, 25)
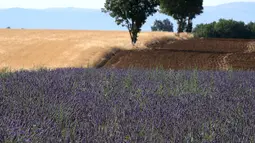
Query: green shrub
(251, 27)
(225, 29)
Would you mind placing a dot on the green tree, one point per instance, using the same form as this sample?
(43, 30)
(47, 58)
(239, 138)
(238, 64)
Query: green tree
(251, 27)
(131, 13)
(165, 25)
(205, 30)
(194, 8)
(225, 29)
(231, 29)
(184, 11)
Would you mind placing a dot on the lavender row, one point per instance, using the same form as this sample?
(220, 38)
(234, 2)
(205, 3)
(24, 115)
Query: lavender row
(114, 105)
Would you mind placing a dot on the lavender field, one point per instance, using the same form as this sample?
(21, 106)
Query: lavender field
(131, 106)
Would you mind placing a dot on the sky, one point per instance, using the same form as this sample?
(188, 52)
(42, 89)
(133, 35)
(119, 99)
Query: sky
(92, 4)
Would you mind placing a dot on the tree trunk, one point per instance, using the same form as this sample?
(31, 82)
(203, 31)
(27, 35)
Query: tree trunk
(181, 25)
(189, 25)
(179, 29)
(133, 33)
(131, 37)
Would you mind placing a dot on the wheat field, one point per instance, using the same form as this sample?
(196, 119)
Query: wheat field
(31, 49)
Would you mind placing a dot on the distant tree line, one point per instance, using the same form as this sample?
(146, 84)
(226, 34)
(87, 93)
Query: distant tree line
(225, 29)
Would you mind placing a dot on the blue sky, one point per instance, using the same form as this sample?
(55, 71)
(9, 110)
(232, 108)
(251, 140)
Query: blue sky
(94, 4)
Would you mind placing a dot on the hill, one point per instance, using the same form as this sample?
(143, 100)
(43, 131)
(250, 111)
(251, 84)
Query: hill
(92, 19)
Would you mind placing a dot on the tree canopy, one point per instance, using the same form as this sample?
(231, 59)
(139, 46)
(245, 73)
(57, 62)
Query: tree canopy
(131, 13)
(165, 25)
(225, 29)
(184, 11)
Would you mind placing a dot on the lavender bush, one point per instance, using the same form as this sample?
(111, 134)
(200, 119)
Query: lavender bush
(117, 105)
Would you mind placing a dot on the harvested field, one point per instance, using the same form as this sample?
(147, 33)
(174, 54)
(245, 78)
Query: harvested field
(218, 54)
(241, 61)
(212, 45)
(29, 49)
(168, 59)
